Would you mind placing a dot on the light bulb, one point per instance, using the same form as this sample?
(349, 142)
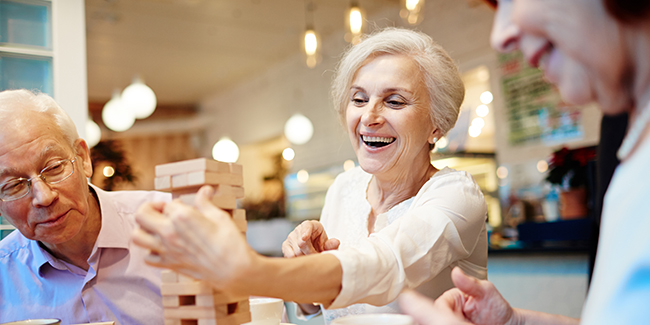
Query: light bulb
(502, 172)
(486, 97)
(356, 21)
(225, 150)
(115, 116)
(478, 123)
(139, 99)
(108, 171)
(298, 129)
(474, 131)
(482, 110)
(302, 176)
(412, 4)
(288, 154)
(311, 43)
(93, 133)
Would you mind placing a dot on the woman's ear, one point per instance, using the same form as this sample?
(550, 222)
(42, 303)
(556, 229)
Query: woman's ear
(434, 137)
(82, 151)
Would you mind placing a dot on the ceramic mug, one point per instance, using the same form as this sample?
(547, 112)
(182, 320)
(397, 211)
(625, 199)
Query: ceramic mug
(265, 311)
(375, 319)
(49, 321)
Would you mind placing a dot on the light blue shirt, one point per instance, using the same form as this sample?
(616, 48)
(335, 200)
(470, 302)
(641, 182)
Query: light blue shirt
(118, 286)
(620, 289)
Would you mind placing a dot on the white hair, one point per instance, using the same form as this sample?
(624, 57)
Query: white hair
(14, 103)
(441, 77)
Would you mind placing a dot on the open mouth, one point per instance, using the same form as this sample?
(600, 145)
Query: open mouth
(377, 142)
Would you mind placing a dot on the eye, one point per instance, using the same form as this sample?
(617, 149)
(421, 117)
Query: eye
(55, 168)
(13, 186)
(396, 102)
(359, 99)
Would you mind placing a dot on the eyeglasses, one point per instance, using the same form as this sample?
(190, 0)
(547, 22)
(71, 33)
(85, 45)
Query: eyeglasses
(18, 188)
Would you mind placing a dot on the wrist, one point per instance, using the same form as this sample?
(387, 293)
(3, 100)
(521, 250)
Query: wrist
(516, 317)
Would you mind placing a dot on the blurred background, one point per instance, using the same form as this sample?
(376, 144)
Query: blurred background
(155, 81)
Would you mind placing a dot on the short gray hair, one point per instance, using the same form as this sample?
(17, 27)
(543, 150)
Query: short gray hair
(441, 77)
(14, 102)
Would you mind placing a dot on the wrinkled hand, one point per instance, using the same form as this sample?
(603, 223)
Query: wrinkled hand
(483, 303)
(200, 241)
(446, 310)
(308, 238)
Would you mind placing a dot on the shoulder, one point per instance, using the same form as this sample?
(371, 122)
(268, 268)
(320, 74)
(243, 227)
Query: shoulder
(449, 179)
(12, 245)
(130, 201)
(450, 187)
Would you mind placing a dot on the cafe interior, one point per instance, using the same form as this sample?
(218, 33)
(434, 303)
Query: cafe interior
(148, 82)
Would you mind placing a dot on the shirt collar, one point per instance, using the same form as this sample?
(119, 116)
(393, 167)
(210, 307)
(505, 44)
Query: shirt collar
(115, 231)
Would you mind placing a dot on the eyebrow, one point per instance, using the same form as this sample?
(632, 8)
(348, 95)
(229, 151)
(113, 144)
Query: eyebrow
(49, 150)
(385, 90)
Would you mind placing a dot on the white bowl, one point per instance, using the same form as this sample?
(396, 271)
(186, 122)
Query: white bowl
(265, 311)
(48, 321)
(375, 319)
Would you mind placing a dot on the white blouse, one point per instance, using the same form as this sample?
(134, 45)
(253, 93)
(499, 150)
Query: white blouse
(414, 245)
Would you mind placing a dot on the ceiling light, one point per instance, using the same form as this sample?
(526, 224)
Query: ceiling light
(298, 129)
(486, 97)
(478, 122)
(225, 150)
(115, 115)
(288, 154)
(108, 171)
(93, 133)
(502, 172)
(302, 176)
(474, 131)
(139, 98)
(311, 43)
(356, 20)
(482, 110)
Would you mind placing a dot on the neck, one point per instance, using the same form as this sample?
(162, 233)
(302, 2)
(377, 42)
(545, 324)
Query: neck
(386, 191)
(77, 250)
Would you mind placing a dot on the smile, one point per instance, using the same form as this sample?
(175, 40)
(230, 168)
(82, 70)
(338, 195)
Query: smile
(377, 142)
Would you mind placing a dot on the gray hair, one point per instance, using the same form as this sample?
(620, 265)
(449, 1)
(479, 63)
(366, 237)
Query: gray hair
(441, 77)
(15, 102)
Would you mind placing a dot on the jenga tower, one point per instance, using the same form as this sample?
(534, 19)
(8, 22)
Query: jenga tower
(187, 301)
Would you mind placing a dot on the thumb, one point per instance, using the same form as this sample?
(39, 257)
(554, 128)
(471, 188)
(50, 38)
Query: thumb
(203, 201)
(417, 306)
(468, 285)
(332, 244)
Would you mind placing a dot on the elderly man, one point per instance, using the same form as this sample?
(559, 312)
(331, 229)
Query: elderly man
(71, 257)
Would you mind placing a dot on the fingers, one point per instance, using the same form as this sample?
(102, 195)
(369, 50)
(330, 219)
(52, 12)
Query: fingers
(468, 285)
(332, 244)
(419, 307)
(149, 216)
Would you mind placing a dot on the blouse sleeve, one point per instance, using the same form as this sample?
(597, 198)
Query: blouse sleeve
(442, 226)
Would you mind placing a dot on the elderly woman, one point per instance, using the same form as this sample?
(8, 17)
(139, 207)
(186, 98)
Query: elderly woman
(401, 222)
(396, 92)
(593, 50)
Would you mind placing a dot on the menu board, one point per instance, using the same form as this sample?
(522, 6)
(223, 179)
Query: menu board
(535, 111)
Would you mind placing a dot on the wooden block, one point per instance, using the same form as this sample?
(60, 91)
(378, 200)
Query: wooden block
(189, 312)
(172, 321)
(168, 276)
(184, 278)
(239, 218)
(217, 298)
(236, 168)
(192, 165)
(221, 201)
(212, 178)
(235, 319)
(185, 289)
(163, 183)
(180, 180)
(177, 301)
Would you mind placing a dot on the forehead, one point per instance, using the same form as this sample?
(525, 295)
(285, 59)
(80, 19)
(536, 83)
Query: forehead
(29, 140)
(389, 71)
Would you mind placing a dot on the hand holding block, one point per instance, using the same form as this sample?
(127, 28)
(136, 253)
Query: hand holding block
(224, 202)
(192, 165)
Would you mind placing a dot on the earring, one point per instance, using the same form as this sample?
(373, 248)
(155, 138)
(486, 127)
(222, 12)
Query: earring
(435, 140)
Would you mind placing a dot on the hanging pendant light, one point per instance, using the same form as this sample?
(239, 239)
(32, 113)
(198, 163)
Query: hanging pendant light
(298, 129)
(355, 23)
(413, 11)
(139, 99)
(116, 116)
(310, 39)
(225, 150)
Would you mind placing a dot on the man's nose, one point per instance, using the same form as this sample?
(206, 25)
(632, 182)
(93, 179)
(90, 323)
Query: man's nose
(42, 193)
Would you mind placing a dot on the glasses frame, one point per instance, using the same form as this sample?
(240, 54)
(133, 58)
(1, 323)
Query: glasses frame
(40, 175)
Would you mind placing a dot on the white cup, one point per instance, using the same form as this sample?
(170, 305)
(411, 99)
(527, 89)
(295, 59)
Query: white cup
(265, 311)
(375, 319)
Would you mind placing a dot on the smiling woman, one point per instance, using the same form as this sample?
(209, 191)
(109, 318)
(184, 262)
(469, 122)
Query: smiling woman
(395, 222)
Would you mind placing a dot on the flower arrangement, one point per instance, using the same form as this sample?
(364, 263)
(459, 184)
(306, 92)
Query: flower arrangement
(568, 168)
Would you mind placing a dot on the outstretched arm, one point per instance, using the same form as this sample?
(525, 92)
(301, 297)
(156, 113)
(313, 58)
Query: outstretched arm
(204, 243)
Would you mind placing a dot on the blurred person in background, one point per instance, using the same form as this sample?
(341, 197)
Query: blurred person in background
(394, 222)
(71, 257)
(593, 50)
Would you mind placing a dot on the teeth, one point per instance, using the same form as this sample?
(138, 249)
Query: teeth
(377, 139)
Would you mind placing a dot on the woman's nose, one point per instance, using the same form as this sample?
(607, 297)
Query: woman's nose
(372, 113)
(42, 193)
(505, 33)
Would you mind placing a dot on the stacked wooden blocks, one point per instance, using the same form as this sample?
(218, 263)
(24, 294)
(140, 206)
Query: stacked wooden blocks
(185, 300)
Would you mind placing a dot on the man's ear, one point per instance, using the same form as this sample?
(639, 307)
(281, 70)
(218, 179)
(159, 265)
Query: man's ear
(82, 151)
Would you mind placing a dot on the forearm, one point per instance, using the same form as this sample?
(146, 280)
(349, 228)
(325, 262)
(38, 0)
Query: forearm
(305, 279)
(529, 317)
